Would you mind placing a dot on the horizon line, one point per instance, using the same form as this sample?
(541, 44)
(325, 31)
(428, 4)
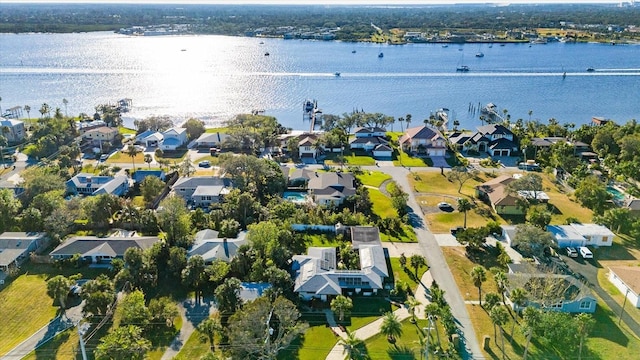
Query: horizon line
(326, 2)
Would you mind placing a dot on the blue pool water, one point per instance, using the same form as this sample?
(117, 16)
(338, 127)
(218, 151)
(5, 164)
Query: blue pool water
(617, 195)
(294, 196)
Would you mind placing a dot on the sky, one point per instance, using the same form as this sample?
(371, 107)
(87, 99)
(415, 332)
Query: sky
(317, 2)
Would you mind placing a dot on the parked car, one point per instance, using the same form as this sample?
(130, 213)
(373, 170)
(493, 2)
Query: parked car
(445, 206)
(585, 252)
(204, 164)
(571, 252)
(104, 157)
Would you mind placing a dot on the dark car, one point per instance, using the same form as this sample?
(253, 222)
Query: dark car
(456, 230)
(445, 206)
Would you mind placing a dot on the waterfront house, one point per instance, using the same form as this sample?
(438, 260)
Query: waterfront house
(382, 151)
(424, 140)
(211, 247)
(361, 132)
(101, 250)
(84, 126)
(150, 138)
(173, 138)
(331, 188)
(502, 141)
(627, 280)
(554, 292)
(100, 135)
(13, 130)
(89, 184)
(15, 248)
(202, 191)
(209, 140)
(317, 274)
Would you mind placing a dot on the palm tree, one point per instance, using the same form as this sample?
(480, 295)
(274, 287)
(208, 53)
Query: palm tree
(499, 317)
(3, 143)
(391, 327)
(45, 109)
(518, 297)
(585, 323)
(133, 152)
(65, 102)
(353, 347)
(502, 283)
(479, 275)
(401, 120)
(408, 120)
(341, 305)
(417, 261)
(464, 205)
(186, 167)
(27, 108)
(531, 318)
(209, 328)
(432, 311)
(412, 305)
(148, 159)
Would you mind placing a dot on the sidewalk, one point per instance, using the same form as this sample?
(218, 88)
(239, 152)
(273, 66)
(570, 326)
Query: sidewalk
(373, 328)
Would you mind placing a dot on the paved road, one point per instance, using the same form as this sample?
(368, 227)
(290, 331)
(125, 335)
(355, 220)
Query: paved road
(192, 314)
(590, 272)
(438, 265)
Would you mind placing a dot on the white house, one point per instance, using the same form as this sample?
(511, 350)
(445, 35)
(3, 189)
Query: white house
(360, 132)
(209, 140)
(594, 234)
(150, 138)
(202, 190)
(627, 280)
(307, 149)
(211, 247)
(173, 138)
(382, 151)
(12, 129)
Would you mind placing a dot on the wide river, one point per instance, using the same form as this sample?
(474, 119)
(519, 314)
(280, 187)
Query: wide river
(215, 77)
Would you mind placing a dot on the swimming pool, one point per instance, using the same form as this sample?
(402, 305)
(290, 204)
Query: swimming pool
(617, 195)
(296, 197)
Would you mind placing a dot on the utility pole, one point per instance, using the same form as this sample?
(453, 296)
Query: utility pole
(82, 329)
(623, 304)
(428, 335)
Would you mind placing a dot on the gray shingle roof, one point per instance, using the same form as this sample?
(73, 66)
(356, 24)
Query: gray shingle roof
(86, 245)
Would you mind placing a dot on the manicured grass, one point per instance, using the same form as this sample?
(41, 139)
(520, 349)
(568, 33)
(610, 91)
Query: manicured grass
(123, 130)
(405, 235)
(442, 222)
(65, 345)
(222, 130)
(381, 204)
(407, 346)
(373, 178)
(90, 169)
(322, 240)
(120, 157)
(564, 204)
(355, 158)
(25, 305)
(404, 159)
(366, 310)
(604, 282)
(314, 344)
(212, 159)
(433, 182)
(400, 274)
(194, 348)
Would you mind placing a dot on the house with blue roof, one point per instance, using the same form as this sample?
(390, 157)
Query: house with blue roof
(90, 185)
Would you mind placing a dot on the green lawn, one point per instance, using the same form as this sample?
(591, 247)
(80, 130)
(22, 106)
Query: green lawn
(25, 306)
(120, 157)
(322, 240)
(124, 131)
(407, 346)
(404, 159)
(366, 310)
(373, 178)
(355, 158)
(314, 344)
(65, 345)
(405, 235)
(212, 159)
(194, 348)
(401, 275)
(381, 204)
(222, 130)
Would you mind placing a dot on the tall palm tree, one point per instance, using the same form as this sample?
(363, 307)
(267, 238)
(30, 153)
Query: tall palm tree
(408, 120)
(341, 305)
(65, 102)
(132, 151)
(502, 283)
(518, 297)
(3, 143)
(391, 327)
(499, 317)
(479, 275)
(353, 348)
(432, 311)
(464, 205)
(148, 159)
(401, 120)
(531, 318)
(27, 108)
(417, 261)
(585, 323)
(412, 305)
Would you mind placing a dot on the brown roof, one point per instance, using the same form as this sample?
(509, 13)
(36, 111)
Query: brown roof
(630, 275)
(496, 190)
(420, 132)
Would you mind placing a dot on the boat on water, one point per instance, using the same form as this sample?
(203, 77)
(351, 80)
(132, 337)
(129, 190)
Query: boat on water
(381, 55)
(501, 44)
(479, 54)
(564, 75)
(445, 46)
(462, 68)
(183, 49)
(261, 42)
(336, 73)
(353, 51)
(266, 54)
(590, 69)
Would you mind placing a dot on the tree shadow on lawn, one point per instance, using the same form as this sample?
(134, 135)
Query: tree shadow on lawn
(486, 256)
(402, 352)
(197, 311)
(51, 348)
(606, 328)
(617, 251)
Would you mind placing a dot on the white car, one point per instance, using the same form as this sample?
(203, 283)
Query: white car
(585, 252)
(571, 252)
